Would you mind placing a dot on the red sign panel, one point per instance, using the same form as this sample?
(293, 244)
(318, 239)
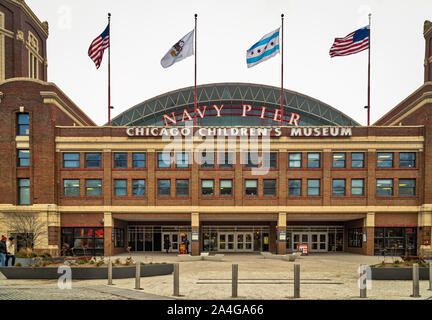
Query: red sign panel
(303, 248)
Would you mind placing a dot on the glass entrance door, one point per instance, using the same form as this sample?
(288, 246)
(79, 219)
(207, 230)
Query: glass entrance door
(244, 242)
(226, 242)
(318, 242)
(299, 238)
(173, 238)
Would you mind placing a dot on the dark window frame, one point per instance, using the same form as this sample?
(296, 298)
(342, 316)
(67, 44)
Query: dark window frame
(311, 161)
(67, 162)
(385, 161)
(23, 127)
(122, 161)
(355, 237)
(221, 193)
(159, 189)
(356, 160)
(136, 161)
(98, 187)
(186, 194)
(134, 188)
(379, 187)
(312, 188)
(356, 187)
(88, 161)
(116, 188)
(299, 161)
(246, 188)
(23, 162)
(336, 162)
(413, 188)
(339, 191)
(25, 188)
(290, 194)
(160, 160)
(412, 161)
(209, 194)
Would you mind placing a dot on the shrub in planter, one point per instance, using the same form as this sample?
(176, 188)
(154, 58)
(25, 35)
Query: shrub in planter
(18, 264)
(81, 261)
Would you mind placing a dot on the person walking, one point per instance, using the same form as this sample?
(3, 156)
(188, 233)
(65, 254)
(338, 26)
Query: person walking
(10, 251)
(186, 242)
(3, 251)
(167, 244)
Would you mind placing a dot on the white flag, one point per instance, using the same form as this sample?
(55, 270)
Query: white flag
(181, 50)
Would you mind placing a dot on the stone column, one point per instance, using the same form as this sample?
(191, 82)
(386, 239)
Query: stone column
(281, 228)
(108, 229)
(195, 224)
(369, 227)
(272, 236)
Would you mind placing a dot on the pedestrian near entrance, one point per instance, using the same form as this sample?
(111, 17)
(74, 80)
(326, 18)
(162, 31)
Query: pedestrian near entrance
(186, 242)
(3, 251)
(10, 251)
(167, 244)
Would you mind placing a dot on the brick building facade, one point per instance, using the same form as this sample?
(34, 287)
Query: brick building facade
(104, 190)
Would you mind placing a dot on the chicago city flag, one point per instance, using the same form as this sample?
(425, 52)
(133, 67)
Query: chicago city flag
(264, 49)
(356, 41)
(181, 50)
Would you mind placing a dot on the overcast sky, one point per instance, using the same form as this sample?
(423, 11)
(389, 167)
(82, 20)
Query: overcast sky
(143, 31)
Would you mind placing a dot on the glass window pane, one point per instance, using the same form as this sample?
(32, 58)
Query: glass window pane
(93, 187)
(71, 188)
(357, 187)
(120, 160)
(384, 187)
(338, 160)
(120, 187)
(385, 160)
(357, 160)
(138, 187)
(226, 183)
(407, 187)
(314, 160)
(338, 187)
(407, 160)
(294, 187)
(182, 160)
(251, 183)
(93, 160)
(164, 187)
(182, 187)
(269, 187)
(164, 160)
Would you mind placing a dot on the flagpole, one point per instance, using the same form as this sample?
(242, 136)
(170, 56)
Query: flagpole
(282, 113)
(195, 82)
(109, 70)
(368, 108)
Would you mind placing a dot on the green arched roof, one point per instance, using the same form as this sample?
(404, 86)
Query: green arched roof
(314, 110)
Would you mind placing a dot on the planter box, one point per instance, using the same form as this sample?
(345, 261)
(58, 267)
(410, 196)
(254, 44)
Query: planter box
(28, 261)
(398, 273)
(86, 273)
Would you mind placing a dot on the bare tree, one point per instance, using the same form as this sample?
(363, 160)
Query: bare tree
(29, 227)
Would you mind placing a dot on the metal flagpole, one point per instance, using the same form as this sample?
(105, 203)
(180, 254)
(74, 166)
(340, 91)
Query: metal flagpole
(109, 70)
(195, 85)
(282, 113)
(368, 104)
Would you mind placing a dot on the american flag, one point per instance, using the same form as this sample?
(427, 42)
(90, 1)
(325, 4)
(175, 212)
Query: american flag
(98, 47)
(356, 41)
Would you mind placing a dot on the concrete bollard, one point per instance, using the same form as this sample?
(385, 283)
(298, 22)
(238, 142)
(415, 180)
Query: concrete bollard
(415, 276)
(110, 283)
(363, 288)
(430, 275)
(234, 280)
(296, 281)
(176, 280)
(138, 276)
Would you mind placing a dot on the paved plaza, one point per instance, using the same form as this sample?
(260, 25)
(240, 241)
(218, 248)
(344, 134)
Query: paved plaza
(323, 276)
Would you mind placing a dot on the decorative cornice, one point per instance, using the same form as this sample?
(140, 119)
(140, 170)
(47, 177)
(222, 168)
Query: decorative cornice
(427, 28)
(52, 97)
(43, 26)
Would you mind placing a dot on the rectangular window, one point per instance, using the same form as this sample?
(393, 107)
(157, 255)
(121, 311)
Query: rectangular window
(294, 187)
(33, 66)
(339, 160)
(164, 187)
(384, 187)
(182, 160)
(270, 160)
(120, 160)
(407, 160)
(355, 237)
(164, 160)
(314, 160)
(357, 160)
(138, 160)
(120, 187)
(294, 160)
(71, 160)
(207, 187)
(182, 187)
(339, 187)
(407, 187)
(93, 187)
(24, 191)
(225, 188)
(119, 236)
(357, 187)
(23, 158)
(93, 160)
(251, 187)
(71, 188)
(385, 160)
(207, 160)
(23, 124)
(313, 187)
(138, 187)
(251, 160)
(269, 187)
(225, 160)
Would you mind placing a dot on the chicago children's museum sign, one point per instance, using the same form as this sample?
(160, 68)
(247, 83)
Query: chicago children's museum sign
(239, 131)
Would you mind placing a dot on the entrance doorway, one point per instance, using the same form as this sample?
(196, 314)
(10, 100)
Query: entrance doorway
(317, 241)
(175, 239)
(236, 241)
